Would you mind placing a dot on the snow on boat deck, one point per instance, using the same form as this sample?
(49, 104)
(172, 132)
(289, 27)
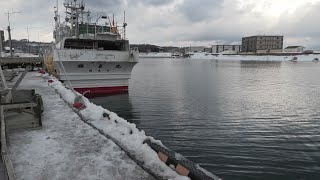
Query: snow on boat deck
(65, 147)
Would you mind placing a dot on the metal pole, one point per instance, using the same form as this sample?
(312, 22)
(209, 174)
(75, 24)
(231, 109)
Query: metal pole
(28, 39)
(39, 44)
(9, 32)
(95, 30)
(95, 26)
(10, 42)
(124, 33)
(88, 24)
(1, 40)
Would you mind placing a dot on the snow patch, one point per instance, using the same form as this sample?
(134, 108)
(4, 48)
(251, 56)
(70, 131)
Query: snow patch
(121, 131)
(306, 57)
(65, 147)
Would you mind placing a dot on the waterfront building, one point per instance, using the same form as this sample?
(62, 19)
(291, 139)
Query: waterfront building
(222, 48)
(194, 49)
(208, 50)
(262, 44)
(294, 49)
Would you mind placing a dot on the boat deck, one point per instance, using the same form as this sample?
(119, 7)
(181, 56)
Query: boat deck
(65, 146)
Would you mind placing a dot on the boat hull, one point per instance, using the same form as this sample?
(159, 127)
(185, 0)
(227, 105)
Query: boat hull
(95, 73)
(102, 91)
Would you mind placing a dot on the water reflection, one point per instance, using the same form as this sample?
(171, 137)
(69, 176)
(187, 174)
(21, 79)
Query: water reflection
(260, 64)
(240, 120)
(120, 104)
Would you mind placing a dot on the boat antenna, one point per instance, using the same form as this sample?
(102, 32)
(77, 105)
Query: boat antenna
(82, 7)
(124, 25)
(57, 22)
(57, 4)
(110, 24)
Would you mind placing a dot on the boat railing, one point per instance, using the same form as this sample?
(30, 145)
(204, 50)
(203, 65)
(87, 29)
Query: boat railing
(134, 49)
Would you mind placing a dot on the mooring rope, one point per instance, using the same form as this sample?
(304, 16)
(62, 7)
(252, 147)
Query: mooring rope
(65, 73)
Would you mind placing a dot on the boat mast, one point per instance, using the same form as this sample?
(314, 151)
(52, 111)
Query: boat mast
(57, 34)
(81, 11)
(74, 15)
(124, 25)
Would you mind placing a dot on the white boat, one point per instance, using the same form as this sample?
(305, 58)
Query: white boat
(176, 55)
(294, 59)
(92, 58)
(188, 55)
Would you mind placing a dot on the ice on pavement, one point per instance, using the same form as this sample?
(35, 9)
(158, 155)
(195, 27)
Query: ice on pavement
(65, 147)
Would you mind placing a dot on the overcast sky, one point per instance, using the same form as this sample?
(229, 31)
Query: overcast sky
(182, 22)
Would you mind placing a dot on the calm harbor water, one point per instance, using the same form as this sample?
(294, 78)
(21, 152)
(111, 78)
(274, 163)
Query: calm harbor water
(239, 120)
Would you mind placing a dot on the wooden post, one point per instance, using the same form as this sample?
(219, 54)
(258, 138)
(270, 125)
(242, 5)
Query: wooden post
(4, 149)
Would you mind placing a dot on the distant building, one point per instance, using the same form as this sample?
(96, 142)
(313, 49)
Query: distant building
(208, 50)
(7, 49)
(222, 48)
(161, 49)
(194, 49)
(262, 44)
(28, 47)
(294, 49)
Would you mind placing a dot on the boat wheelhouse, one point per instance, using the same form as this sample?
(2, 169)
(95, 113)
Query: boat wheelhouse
(91, 58)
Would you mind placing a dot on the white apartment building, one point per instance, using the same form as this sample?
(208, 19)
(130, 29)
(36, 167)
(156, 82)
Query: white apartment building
(294, 49)
(222, 48)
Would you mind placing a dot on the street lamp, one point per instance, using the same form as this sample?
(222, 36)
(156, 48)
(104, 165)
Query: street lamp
(9, 30)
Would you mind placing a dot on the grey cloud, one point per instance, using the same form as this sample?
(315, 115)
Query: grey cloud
(303, 26)
(35, 14)
(149, 2)
(155, 2)
(192, 20)
(209, 35)
(214, 37)
(195, 10)
(306, 23)
(104, 4)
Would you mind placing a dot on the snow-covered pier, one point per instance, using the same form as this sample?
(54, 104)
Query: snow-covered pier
(66, 147)
(89, 143)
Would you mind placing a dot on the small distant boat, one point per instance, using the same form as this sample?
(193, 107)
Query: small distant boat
(294, 59)
(188, 55)
(315, 60)
(176, 55)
